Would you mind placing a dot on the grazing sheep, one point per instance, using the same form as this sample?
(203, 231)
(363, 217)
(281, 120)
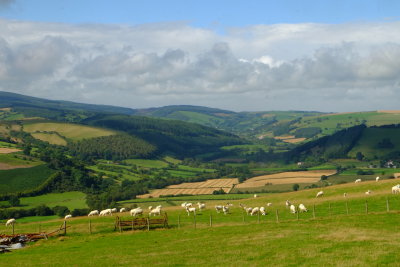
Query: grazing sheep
(288, 203)
(396, 189)
(263, 211)
(302, 208)
(218, 208)
(11, 222)
(183, 205)
(67, 216)
(122, 210)
(377, 179)
(320, 194)
(255, 196)
(248, 210)
(105, 212)
(344, 194)
(368, 192)
(255, 211)
(93, 212)
(357, 180)
(189, 205)
(293, 209)
(201, 206)
(137, 211)
(269, 204)
(191, 209)
(225, 209)
(155, 211)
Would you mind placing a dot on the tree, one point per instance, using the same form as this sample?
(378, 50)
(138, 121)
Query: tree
(359, 156)
(296, 187)
(14, 201)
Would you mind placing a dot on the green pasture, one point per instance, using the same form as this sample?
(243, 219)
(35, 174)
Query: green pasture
(172, 160)
(17, 180)
(7, 145)
(16, 159)
(72, 200)
(147, 163)
(68, 130)
(51, 138)
(353, 231)
(124, 174)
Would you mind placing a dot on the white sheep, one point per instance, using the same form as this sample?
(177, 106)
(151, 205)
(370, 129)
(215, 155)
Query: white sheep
(255, 195)
(368, 192)
(377, 179)
(114, 210)
(225, 209)
(105, 212)
(155, 211)
(263, 211)
(396, 189)
(320, 194)
(11, 222)
(302, 208)
(357, 180)
(293, 209)
(201, 206)
(67, 216)
(137, 211)
(255, 211)
(122, 210)
(344, 194)
(191, 209)
(288, 203)
(183, 205)
(189, 205)
(248, 210)
(218, 208)
(269, 204)
(93, 212)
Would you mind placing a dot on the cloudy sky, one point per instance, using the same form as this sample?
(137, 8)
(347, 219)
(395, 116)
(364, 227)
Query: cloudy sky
(235, 55)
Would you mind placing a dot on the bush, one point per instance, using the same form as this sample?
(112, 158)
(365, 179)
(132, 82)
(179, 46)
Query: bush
(80, 212)
(219, 192)
(60, 211)
(296, 187)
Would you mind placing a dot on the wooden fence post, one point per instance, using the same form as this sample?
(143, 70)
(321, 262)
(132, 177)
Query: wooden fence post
(132, 224)
(347, 207)
(313, 211)
(148, 224)
(194, 220)
(65, 227)
(179, 221)
(40, 228)
(210, 220)
(387, 204)
(90, 226)
(13, 228)
(366, 206)
(277, 216)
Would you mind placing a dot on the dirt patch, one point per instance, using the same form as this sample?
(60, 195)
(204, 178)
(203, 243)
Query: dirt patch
(294, 140)
(6, 150)
(284, 137)
(389, 111)
(4, 166)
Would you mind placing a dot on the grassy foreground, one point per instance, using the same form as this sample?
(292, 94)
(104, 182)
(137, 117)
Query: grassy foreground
(333, 238)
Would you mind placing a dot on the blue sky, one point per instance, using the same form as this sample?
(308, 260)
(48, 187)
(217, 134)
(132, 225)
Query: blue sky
(235, 55)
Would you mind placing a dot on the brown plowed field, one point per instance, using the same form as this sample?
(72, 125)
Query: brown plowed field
(199, 188)
(6, 150)
(286, 178)
(5, 166)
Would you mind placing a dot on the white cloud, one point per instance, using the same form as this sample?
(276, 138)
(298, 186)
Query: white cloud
(300, 66)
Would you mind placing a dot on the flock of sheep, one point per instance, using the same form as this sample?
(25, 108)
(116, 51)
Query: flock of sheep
(190, 208)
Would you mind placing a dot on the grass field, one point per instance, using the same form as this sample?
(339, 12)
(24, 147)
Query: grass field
(51, 138)
(332, 238)
(147, 163)
(68, 130)
(72, 200)
(16, 180)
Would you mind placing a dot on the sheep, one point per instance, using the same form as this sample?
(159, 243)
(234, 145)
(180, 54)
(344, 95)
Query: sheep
(183, 205)
(248, 210)
(288, 203)
(293, 209)
(269, 204)
(11, 222)
(218, 208)
(396, 189)
(225, 209)
(191, 209)
(377, 179)
(344, 194)
(136, 211)
(201, 206)
(357, 180)
(155, 211)
(114, 210)
(93, 212)
(255, 196)
(368, 192)
(122, 210)
(263, 211)
(189, 205)
(320, 194)
(67, 216)
(302, 208)
(105, 212)
(255, 211)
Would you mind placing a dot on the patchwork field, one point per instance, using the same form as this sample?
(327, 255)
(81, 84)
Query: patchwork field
(199, 188)
(51, 138)
(286, 178)
(11, 161)
(6, 150)
(68, 130)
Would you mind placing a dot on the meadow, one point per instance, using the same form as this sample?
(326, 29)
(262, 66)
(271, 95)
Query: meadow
(335, 237)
